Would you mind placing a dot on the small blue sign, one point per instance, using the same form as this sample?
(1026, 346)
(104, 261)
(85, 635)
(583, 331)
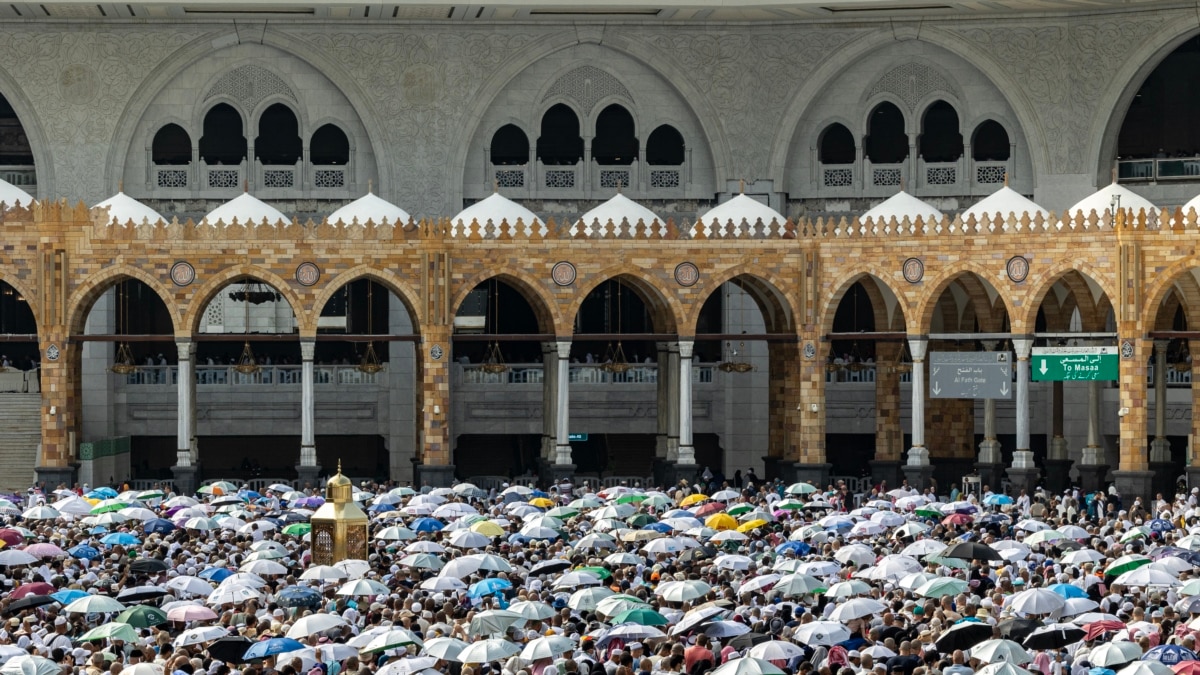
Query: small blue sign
(577, 437)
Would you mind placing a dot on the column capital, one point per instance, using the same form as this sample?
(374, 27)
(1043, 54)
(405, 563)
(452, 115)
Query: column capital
(185, 348)
(685, 349)
(918, 346)
(989, 345)
(1023, 346)
(308, 349)
(564, 348)
(1160, 347)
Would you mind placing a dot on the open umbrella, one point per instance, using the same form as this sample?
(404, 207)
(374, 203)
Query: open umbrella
(826, 633)
(747, 666)
(1112, 654)
(1054, 636)
(547, 647)
(1170, 654)
(963, 635)
(143, 616)
(230, 649)
(486, 651)
(993, 651)
(30, 665)
(271, 647)
(110, 631)
(94, 604)
(972, 550)
(196, 636)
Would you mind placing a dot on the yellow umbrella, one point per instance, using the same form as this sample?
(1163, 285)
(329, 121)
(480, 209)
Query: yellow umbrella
(488, 528)
(721, 521)
(692, 499)
(541, 502)
(752, 525)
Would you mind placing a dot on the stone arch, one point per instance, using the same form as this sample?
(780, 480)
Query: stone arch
(666, 313)
(39, 145)
(1036, 294)
(1176, 278)
(568, 83)
(842, 286)
(306, 317)
(982, 308)
(80, 303)
(544, 308)
(388, 279)
(303, 124)
(927, 302)
(19, 286)
(779, 307)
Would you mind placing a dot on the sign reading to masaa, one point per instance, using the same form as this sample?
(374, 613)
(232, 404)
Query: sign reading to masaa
(1058, 364)
(970, 375)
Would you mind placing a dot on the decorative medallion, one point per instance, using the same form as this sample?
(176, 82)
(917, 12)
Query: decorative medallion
(1127, 349)
(687, 274)
(810, 351)
(182, 273)
(563, 273)
(1018, 269)
(52, 352)
(436, 353)
(307, 273)
(913, 270)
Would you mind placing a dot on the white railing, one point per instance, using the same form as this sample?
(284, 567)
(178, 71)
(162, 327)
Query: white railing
(276, 176)
(225, 376)
(1177, 168)
(21, 175)
(850, 372)
(580, 373)
(226, 177)
(1175, 376)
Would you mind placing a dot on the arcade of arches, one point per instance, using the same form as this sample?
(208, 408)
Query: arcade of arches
(487, 364)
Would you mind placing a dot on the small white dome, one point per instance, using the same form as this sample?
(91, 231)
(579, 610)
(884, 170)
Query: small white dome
(246, 209)
(370, 208)
(12, 195)
(1193, 204)
(498, 209)
(123, 209)
(901, 205)
(616, 209)
(1005, 201)
(740, 208)
(1102, 200)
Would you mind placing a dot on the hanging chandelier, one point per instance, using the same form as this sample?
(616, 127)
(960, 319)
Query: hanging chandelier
(123, 363)
(370, 360)
(493, 359)
(903, 360)
(732, 364)
(246, 364)
(614, 359)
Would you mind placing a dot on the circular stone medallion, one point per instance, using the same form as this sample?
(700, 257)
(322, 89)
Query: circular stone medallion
(307, 273)
(436, 353)
(182, 273)
(687, 274)
(1018, 269)
(52, 353)
(563, 273)
(913, 270)
(1127, 349)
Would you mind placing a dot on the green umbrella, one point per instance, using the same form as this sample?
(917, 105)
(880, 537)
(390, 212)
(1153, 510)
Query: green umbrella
(957, 563)
(143, 616)
(640, 520)
(1126, 563)
(936, 588)
(631, 499)
(800, 489)
(657, 501)
(739, 509)
(789, 504)
(644, 617)
(563, 512)
(112, 630)
(298, 529)
(929, 512)
(599, 572)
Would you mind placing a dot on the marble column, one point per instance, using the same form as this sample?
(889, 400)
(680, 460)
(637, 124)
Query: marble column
(184, 471)
(662, 401)
(308, 469)
(990, 464)
(549, 400)
(918, 470)
(1092, 468)
(1023, 472)
(1160, 448)
(562, 446)
(687, 453)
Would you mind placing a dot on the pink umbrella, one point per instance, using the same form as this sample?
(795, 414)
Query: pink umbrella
(187, 613)
(45, 551)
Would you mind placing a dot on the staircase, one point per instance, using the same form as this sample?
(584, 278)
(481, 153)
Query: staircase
(20, 434)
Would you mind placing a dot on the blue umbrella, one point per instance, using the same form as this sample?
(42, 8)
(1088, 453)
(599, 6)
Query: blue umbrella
(159, 525)
(120, 539)
(798, 547)
(1068, 591)
(1169, 655)
(99, 529)
(299, 596)
(261, 650)
(102, 493)
(217, 574)
(1101, 671)
(538, 493)
(83, 552)
(67, 597)
(249, 494)
(997, 500)
(658, 527)
(994, 519)
(426, 525)
(1160, 525)
(487, 587)
(380, 508)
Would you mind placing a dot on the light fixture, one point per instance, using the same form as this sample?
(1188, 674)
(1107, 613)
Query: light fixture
(370, 360)
(813, 407)
(246, 363)
(493, 359)
(437, 409)
(734, 365)
(614, 359)
(1123, 412)
(123, 363)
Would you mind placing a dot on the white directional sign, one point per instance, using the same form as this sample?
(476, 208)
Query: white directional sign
(970, 375)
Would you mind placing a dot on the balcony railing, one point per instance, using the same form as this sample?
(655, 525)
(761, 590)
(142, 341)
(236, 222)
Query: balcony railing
(864, 177)
(580, 373)
(200, 179)
(589, 179)
(23, 176)
(1161, 169)
(228, 376)
(1178, 375)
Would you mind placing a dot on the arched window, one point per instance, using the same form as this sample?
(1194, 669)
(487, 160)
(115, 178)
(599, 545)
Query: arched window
(329, 145)
(836, 145)
(665, 146)
(510, 146)
(990, 143)
(616, 139)
(223, 141)
(941, 140)
(1161, 120)
(14, 144)
(171, 145)
(560, 142)
(886, 142)
(278, 139)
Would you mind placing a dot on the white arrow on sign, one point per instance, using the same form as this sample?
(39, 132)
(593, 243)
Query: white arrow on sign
(1043, 369)
(937, 388)
(1004, 388)
(934, 372)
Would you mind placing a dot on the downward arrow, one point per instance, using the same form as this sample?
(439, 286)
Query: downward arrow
(1043, 369)
(937, 388)
(1004, 389)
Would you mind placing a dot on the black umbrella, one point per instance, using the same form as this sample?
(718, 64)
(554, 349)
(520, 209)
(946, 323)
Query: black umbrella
(1018, 629)
(140, 593)
(1067, 545)
(963, 636)
(229, 649)
(1054, 636)
(971, 550)
(747, 640)
(148, 566)
(31, 601)
(549, 567)
(694, 554)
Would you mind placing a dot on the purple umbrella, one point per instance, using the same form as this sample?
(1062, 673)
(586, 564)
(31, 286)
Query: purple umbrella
(309, 502)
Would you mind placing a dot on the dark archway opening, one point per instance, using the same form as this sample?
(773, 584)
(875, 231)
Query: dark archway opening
(1161, 120)
(990, 143)
(510, 146)
(886, 141)
(836, 145)
(278, 139)
(18, 330)
(358, 308)
(665, 146)
(171, 145)
(613, 307)
(560, 142)
(14, 143)
(223, 141)
(941, 140)
(855, 314)
(496, 308)
(616, 140)
(329, 146)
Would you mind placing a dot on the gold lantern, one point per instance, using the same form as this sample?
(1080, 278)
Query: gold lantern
(339, 527)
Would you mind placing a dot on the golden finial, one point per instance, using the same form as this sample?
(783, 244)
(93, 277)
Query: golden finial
(1114, 174)
(121, 185)
(339, 466)
(495, 187)
(370, 185)
(246, 186)
(902, 183)
(1005, 179)
(741, 186)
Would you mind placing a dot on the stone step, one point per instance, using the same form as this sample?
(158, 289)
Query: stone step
(20, 434)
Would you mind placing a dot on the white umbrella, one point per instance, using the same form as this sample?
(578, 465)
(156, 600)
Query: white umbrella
(747, 666)
(1036, 601)
(857, 608)
(261, 567)
(14, 557)
(726, 629)
(445, 648)
(775, 650)
(795, 585)
(757, 584)
(362, 588)
(31, 665)
(460, 568)
(491, 562)
(391, 639)
(857, 554)
(585, 600)
(94, 604)
(190, 585)
(353, 567)
(248, 579)
(235, 595)
(825, 633)
(313, 624)
(493, 621)
(1002, 668)
(408, 666)
(486, 651)
(197, 636)
(442, 583)
(992, 651)
(682, 591)
(576, 580)
(733, 562)
(1114, 654)
(469, 539)
(532, 610)
(547, 647)
(1146, 577)
(1149, 667)
(323, 573)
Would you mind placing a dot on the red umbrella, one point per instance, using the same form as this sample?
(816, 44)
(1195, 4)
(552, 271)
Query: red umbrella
(709, 509)
(1187, 668)
(11, 537)
(36, 588)
(957, 519)
(1098, 628)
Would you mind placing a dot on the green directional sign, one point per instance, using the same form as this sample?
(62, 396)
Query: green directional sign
(1058, 364)
(576, 437)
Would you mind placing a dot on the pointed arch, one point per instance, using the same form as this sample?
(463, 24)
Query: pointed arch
(544, 308)
(407, 295)
(1060, 271)
(306, 317)
(666, 313)
(902, 311)
(79, 304)
(19, 286)
(928, 301)
(779, 306)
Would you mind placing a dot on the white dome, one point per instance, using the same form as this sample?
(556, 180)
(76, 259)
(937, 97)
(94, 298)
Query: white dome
(1193, 204)
(1005, 201)
(1102, 200)
(901, 205)
(497, 209)
(620, 207)
(740, 208)
(246, 209)
(123, 209)
(370, 208)
(12, 195)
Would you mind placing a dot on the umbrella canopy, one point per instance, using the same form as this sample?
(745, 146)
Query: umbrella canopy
(993, 651)
(972, 550)
(1112, 654)
(963, 635)
(271, 647)
(747, 666)
(1054, 636)
(486, 651)
(1170, 654)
